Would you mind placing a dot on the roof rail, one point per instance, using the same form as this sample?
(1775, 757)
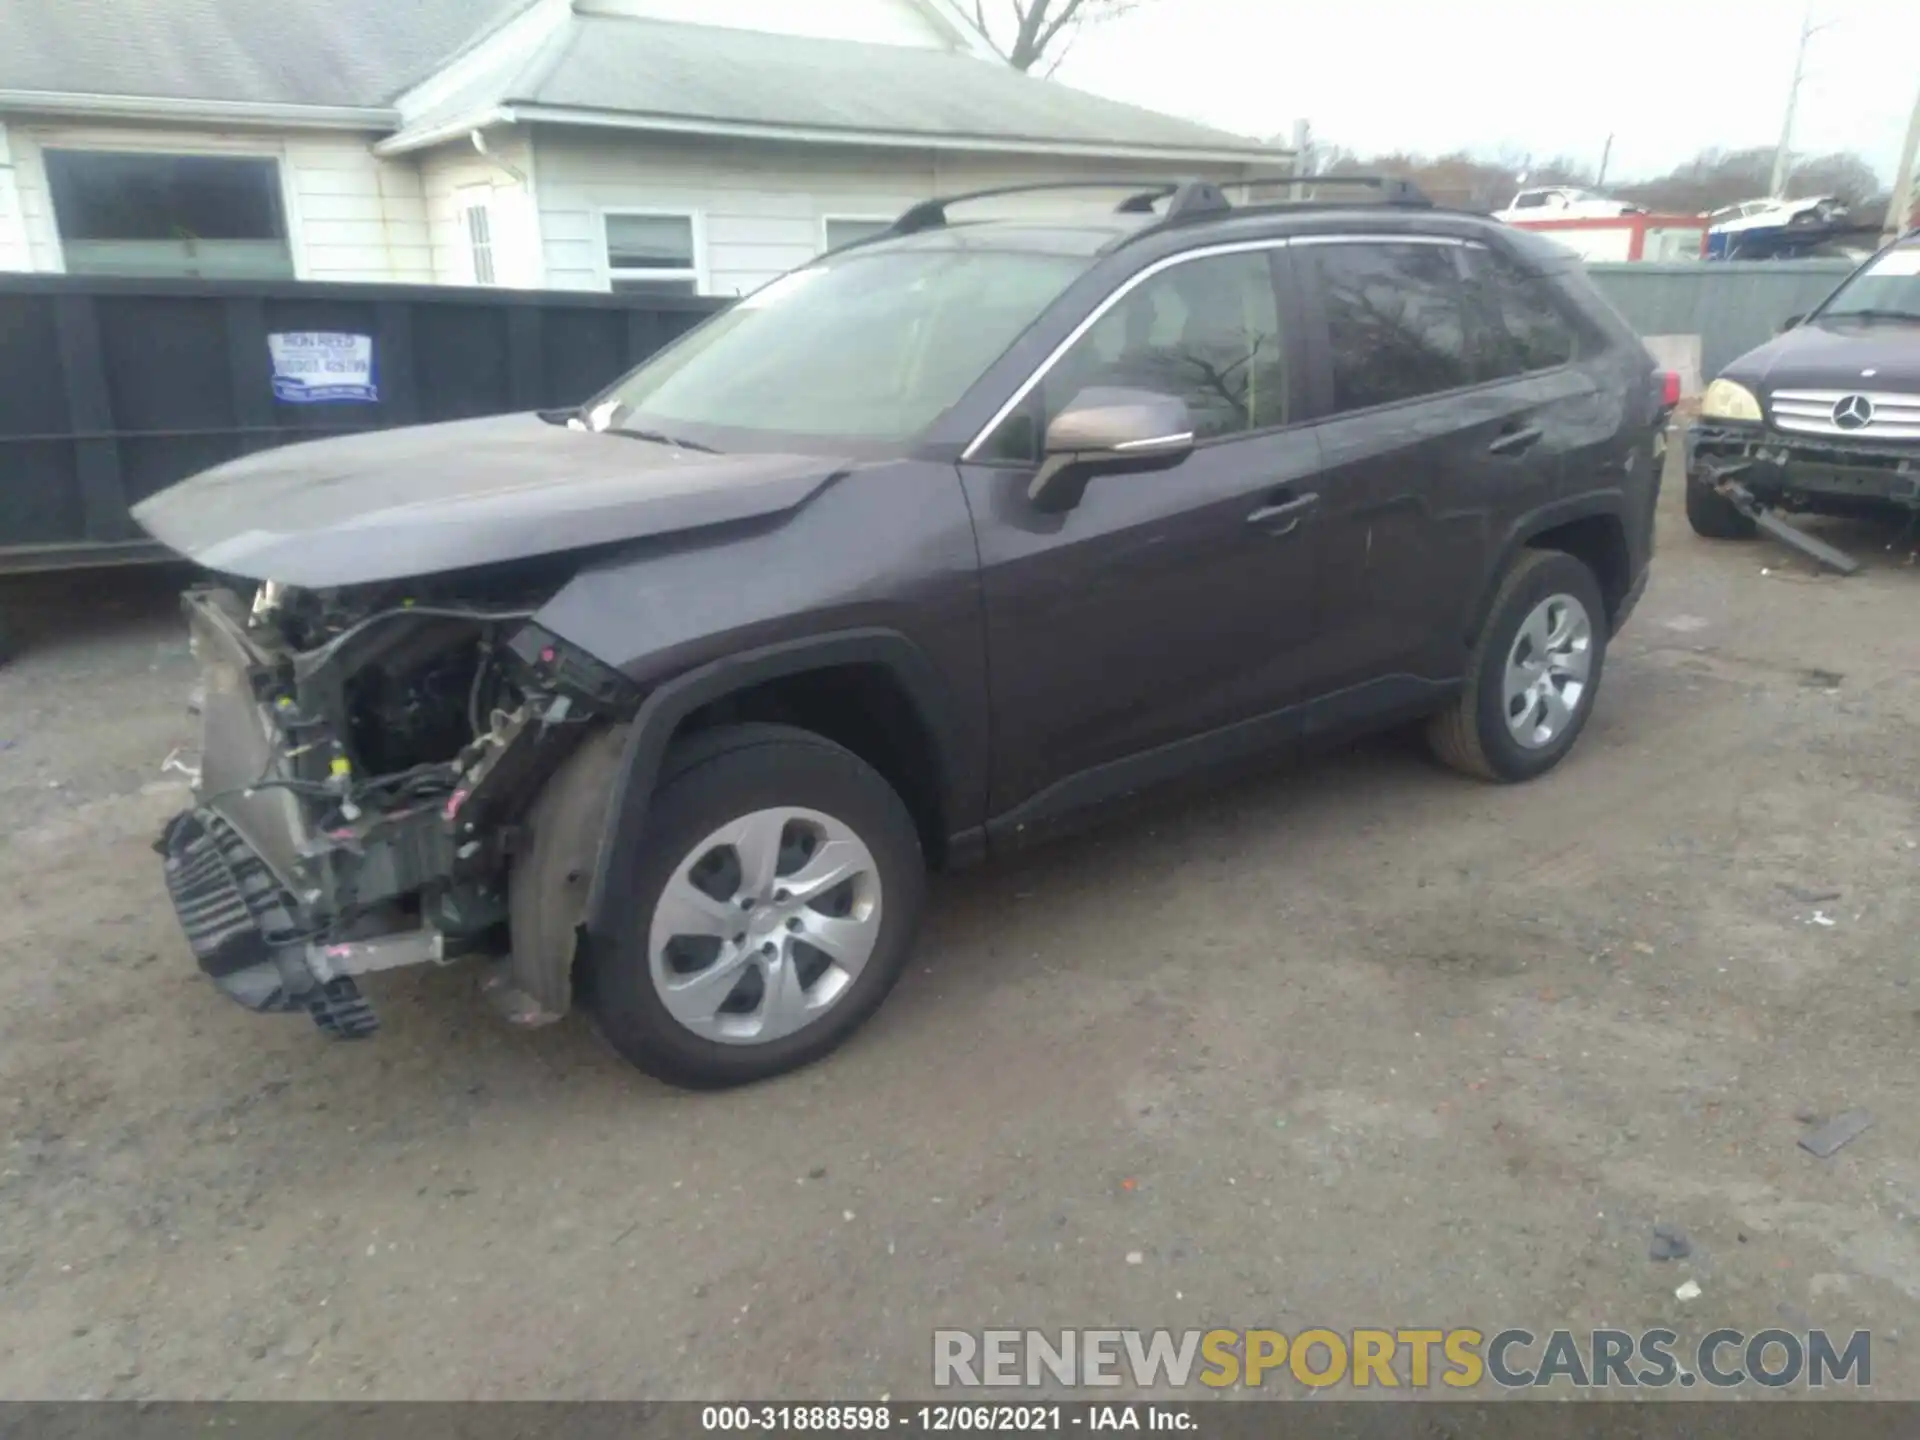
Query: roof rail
(1186, 199)
(1394, 189)
(932, 214)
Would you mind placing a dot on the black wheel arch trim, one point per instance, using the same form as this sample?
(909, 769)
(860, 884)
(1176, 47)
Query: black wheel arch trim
(673, 700)
(1612, 504)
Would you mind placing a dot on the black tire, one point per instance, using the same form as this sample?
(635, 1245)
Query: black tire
(716, 776)
(1714, 516)
(1471, 735)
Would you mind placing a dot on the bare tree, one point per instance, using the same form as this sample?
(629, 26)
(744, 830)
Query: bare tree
(1029, 32)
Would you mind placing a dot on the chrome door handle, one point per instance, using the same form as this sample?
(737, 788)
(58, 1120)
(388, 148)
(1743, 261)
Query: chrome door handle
(1282, 517)
(1513, 442)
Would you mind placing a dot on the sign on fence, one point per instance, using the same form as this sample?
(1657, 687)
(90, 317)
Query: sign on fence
(320, 366)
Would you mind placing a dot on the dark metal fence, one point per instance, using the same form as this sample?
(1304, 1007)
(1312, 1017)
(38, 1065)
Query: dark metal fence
(1731, 305)
(112, 389)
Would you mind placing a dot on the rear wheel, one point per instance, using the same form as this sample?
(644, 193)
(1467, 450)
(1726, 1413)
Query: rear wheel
(1713, 515)
(1533, 676)
(782, 881)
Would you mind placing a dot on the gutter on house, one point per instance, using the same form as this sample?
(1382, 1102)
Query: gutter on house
(408, 140)
(212, 112)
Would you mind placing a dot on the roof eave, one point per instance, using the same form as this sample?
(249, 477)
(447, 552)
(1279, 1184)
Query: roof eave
(209, 112)
(407, 140)
(425, 137)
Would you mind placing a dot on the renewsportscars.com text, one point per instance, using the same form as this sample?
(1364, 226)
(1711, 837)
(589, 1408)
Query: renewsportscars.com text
(1415, 1359)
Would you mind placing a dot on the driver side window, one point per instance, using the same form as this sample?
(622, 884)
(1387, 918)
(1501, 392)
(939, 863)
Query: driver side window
(1207, 331)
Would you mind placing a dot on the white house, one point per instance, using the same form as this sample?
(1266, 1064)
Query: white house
(687, 145)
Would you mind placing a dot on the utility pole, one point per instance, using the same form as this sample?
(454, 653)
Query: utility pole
(1302, 156)
(1906, 185)
(1783, 157)
(1606, 153)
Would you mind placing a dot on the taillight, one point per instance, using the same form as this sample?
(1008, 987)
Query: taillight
(1669, 388)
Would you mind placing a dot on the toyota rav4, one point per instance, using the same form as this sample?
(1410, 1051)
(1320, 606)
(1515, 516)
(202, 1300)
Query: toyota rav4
(936, 544)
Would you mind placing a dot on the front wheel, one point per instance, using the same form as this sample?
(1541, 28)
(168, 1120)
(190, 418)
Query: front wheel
(1714, 516)
(1533, 676)
(781, 880)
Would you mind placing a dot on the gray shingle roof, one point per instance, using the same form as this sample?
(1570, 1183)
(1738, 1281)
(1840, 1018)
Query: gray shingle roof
(290, 52)
(692, 73)
(364, 53)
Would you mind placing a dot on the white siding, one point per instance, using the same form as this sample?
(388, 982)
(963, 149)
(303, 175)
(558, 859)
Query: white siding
(880, 22)
(350, 215)
(762, 207)
(361, 218)
(453, 169)
(14, 254)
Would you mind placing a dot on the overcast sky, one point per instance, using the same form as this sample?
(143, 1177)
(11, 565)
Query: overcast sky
(1666, 77)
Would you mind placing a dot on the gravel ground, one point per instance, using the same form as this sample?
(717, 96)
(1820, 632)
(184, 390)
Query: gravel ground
(1358, 1043)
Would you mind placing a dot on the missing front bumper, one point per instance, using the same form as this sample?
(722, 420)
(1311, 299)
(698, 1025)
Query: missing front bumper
(1821, 474)
(252, 939)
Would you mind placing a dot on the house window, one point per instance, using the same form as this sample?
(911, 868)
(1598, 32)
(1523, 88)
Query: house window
(653, 254)
(479, 241)
(130, 213)
(845, 229)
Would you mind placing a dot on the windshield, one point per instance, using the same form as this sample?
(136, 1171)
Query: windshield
(1889, 287)
(865, 346)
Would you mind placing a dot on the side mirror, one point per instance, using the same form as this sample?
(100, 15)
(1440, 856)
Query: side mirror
(1788, 323)
(1106, 430)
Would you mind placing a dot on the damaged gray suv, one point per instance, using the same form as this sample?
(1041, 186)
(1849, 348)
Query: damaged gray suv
(926, 550)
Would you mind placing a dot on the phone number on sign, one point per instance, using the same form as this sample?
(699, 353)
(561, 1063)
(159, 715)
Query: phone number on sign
(869, 1418)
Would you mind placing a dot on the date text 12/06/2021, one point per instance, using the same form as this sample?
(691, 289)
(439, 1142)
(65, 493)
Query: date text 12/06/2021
(943, 1418)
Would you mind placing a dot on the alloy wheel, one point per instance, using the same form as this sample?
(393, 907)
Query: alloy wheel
(764, 925)
(1548, 669)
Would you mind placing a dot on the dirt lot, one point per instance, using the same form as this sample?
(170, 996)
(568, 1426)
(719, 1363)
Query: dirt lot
(1359, 1043)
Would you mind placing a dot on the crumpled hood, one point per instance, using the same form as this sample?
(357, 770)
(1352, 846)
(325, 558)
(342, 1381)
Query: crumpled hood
(1834, 355)
(394, 504)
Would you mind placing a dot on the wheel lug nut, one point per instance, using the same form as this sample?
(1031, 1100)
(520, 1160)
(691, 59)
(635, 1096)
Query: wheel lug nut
(746, 902)
(782, 896)
(768, 948)
(740, 939)
(794, 923)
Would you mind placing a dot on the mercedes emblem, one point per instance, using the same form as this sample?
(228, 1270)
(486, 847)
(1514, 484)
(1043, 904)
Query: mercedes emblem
(1852, 412)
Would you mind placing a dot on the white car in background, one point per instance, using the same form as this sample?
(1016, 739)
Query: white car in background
(1564, 202)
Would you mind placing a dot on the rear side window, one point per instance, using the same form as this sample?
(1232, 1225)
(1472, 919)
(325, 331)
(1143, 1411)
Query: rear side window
(1396, 320)
(1522, 327)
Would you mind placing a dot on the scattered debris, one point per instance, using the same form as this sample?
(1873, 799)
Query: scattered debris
(1687, 1290)
(1134, 1257)
(1670, 1243)
(847, 1215)
(1820, 917)
(1766, 518)
(1807, 1115)
(1826, 1139)
(1643, 947)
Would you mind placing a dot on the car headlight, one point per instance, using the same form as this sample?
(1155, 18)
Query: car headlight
(1730, 400)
